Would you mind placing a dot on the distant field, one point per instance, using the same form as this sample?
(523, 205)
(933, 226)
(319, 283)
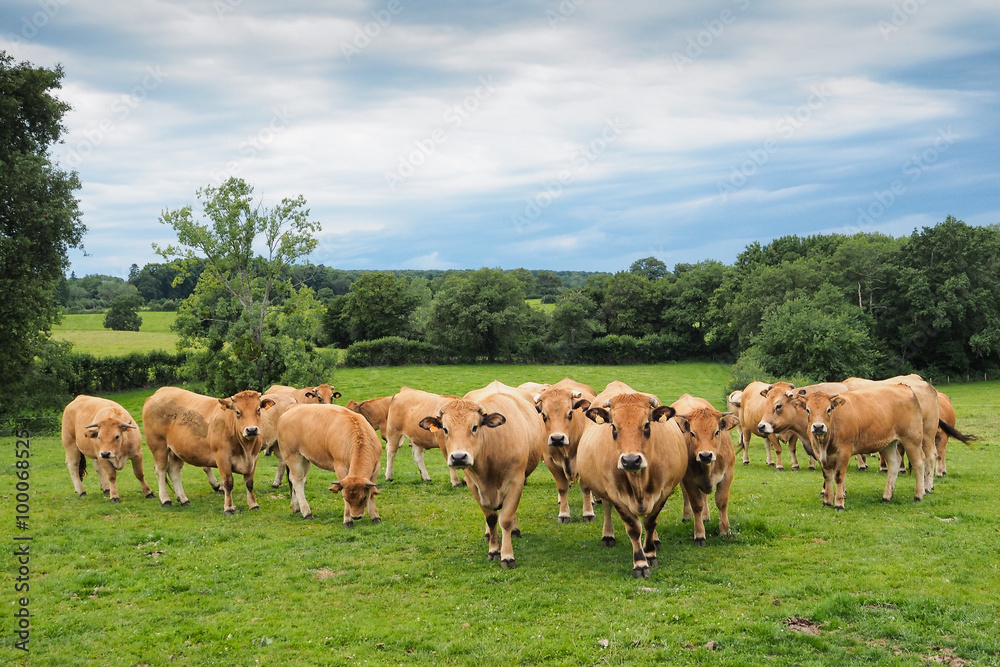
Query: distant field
(898, 583)
(538, 305)
(87, 333)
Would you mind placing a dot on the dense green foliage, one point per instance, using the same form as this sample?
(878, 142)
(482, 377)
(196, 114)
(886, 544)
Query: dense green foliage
(122, 315)
(39, 214)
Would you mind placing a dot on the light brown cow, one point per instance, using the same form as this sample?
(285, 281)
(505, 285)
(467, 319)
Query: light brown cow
(224, 433)
(710, 460)
(102, 430)
(930, 411)
(563, 408)
(322, 394)
(749, 409)
(333, 438)
(375, 410)
(632, 458)
(406, 410)
(947, 429)
(497, 438)
(269, 431)
(865, 421)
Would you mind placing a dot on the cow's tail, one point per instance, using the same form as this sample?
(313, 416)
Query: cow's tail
(955, 433)
(81, 466)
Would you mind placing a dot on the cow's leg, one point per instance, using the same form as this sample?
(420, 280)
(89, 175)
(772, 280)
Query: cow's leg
(279, 474)
(212, 482)
(687, 512)
(562, 488)
(722, 503)
(694, 495)
(791, 450)
(744, 444)
(372, 510)
(248, 482)
(492, 536)
(457, 479)
(75, 461)
(650, 542)
(929, 459)
(226, 477)
(108, 471)
(941, 445)
(508, 524)
(608, 532)
(914, 451)
(139, 475)
(418, 458)
(102, 476)
(391, 447)
(840, 478)
(862, 462)
(829, 486)
(588, 503)
(890, 455)
(640, 566)
(776, 444)
(298, 468)
(174, 465)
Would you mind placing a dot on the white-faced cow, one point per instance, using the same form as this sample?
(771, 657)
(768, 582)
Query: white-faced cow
(102, 430)
(563, 408)
(497, 438)
(334, 438)
(224, 433)
(406, 410)
(865, 421)
(710, 460)
(633, 458)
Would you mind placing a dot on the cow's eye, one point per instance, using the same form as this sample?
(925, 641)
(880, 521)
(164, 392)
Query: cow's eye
(569, 415)
(445, 429)
(545, 417)
(716, 433)
(777, 407)
(117, 436)
(829, 410)
(239, 414)
(475, 427)
(808, 411)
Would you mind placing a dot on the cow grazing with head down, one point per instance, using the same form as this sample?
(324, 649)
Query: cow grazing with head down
(102, 430)
(406, 409)
(322, 394)
(865, 421)
(497, 437)
(563, 408)
(632, 457)
(710, 460)
(334, 438)
(224, 433)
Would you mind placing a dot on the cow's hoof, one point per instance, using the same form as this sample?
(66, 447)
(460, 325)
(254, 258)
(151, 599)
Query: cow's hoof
(699, 541)
(780, 468)
(276, 486)
(165, 503)
(115, 500)
(826, 504)
(83, 494)
(862, 467)
(564, 519)
(840, 508)
(347, 524)
(308, 517)
(388, 479)
(493, 555)
(640, 572)
(770, 465)
(588, 517)
(508, 564)
(746, 463)
(106, 491)
(657, 543)
(150, 495)
(812, 467)
(376, 520)
(887, 500)
(229, 512)
(883, 471)
(598, 501)
(516, 532)
(685, 519)
(188, 502)
(917, 499)
(219, 490)
(652, 561)
(795, 468)
(255, 507)
(608, 541)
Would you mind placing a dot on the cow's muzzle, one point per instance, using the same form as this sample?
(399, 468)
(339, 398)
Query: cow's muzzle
(251, 432)
(706, 457)
(105, 455)
(765, 427)
(558, 440)
(631, 462)
(819, 429)
(459, 459)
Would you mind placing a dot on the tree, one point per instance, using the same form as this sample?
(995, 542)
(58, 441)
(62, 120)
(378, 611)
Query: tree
(687, 307)
(574, 321)
(649, 268)
(482, 314)
(548, 283)
(122, 315)
(39, 215)
(632, 305)
(247, 288)
(379, 304)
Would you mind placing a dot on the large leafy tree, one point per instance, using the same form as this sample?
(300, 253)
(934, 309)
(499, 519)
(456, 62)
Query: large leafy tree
(379, 304)
(228, 317)
(39, 215)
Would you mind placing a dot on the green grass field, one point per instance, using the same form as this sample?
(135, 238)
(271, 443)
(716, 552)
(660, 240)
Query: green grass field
(902, 583)
(87, 333)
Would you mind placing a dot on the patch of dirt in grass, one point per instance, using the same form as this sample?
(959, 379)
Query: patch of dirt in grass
(324, 573)
(803, 625)
(946, 657)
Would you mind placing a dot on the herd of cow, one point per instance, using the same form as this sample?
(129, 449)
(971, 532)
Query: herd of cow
(627, 450)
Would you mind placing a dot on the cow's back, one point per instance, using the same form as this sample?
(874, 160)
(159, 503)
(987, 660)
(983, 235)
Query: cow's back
(178, 411)
(517, 404)
(877, 414)
(946, 410)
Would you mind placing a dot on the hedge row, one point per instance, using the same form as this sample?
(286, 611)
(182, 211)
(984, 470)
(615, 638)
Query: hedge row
(89, 374)
(394, 351)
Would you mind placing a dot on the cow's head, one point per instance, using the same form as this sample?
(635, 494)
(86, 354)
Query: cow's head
(112, 433)
(777, 397)
(631, 418)
(357, 492)
(246, 407)
(818, 407)
(462, 421)
(323, 394)
(563, 413)
(704, 431)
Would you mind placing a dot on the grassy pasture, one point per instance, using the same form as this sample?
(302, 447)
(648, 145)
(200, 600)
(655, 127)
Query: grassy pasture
(87, 333)
(133, 583)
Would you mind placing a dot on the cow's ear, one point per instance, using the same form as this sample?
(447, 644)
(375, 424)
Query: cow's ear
(598, 415)
(432, 424)
(799, 402)
(683, 423)
(371, 485)
(310, 394)
(582, 404)
(336, 394)
(226, 403)
(493, 420)
(538, 408)
(663, 413)
(336, 487)
(802, 392)
(728, 421)
(266, 403)
(836, 401)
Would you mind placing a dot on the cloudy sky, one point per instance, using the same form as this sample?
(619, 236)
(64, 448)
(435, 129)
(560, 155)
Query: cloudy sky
(581, 134)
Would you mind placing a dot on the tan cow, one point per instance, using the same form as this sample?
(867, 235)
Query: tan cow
(563, 408)
(749, 409)
(322, 394)
(930, 410)
(224, 433)
(269, 431)
(102, 430)
(632, 458)
(375, 410)
(497, 438)
(333, 438)
(830, 388)
(710, 460)
(865, 421)
(947, 429)
(406, 410)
